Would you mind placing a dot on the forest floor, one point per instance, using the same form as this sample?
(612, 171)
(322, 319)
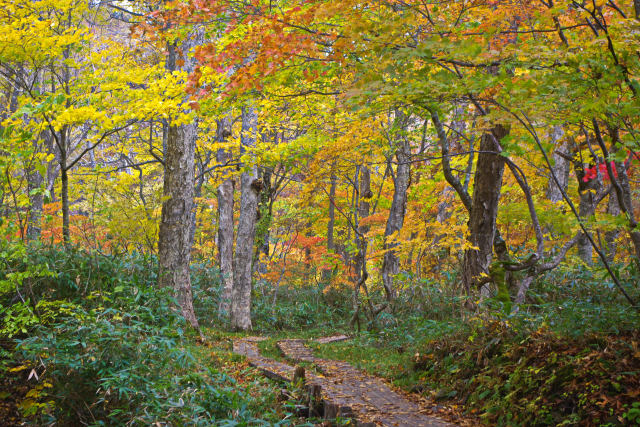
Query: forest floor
(334, 389)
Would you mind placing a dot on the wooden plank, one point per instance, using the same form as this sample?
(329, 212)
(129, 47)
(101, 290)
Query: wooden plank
(333, 338)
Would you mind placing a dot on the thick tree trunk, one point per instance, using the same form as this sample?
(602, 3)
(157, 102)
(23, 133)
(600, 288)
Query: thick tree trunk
(225, 194)
(250, 187)
(391, 263)
(585, 210)
(561, 166)
(621, 184)
(174, 245)
(588, 192)
(484, 207)
(225, 244)
(174, 237)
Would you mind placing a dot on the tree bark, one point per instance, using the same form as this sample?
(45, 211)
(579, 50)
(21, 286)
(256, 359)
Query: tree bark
(250, 187)
(199, 182)
(327, 272)
(35, 181)
(458, 127)
(364, 194)
(391, 263)
(621, 184)
(263, 222)
(613, 208)
(225, 244)
(364, 208)
(174, 245)
(174, 236)
(64, 196)
(586, 208)
(225, 193)
(561, 165)
(64, 187)
(634, 233)
(36, 199)
(484, 208)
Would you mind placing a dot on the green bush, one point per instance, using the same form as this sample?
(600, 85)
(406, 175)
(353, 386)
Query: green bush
(123, 362)
(99, 344)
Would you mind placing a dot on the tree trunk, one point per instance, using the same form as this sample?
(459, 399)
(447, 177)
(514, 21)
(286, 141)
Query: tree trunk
(561, 166)
(327, 272)
(263, 224)
(250, 187)
(627, 201)
(64, 187)
(35, 181)
(621, 185)
(174, 236)
(363, 185)
(613, 208)
(585, 210)
(174, 245)
(64, 196)
(391, 263)
(588, 192)
(197, 193)
(225, 244)
(484, 207)
(225, 194)
(364, 208)
(458, 127)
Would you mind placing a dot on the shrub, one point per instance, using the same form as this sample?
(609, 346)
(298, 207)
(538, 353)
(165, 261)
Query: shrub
(98, 344)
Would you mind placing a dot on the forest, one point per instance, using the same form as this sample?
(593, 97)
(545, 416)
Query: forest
(319, 212)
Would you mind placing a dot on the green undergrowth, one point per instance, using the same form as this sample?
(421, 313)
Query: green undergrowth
(89, 340)
(570, 356)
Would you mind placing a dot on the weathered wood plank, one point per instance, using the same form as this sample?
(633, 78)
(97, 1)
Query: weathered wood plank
(333, 338)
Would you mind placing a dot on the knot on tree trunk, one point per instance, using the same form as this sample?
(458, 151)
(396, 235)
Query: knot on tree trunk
(257, 185)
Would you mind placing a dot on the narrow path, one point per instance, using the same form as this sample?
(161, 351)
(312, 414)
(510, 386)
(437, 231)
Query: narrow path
(345, 391)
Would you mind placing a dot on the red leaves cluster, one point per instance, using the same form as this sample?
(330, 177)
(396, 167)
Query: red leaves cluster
(592, 172)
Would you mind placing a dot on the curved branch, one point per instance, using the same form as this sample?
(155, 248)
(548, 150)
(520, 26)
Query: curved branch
(446, 165)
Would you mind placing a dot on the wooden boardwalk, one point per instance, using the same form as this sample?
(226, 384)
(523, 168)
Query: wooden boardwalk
(345, 391)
